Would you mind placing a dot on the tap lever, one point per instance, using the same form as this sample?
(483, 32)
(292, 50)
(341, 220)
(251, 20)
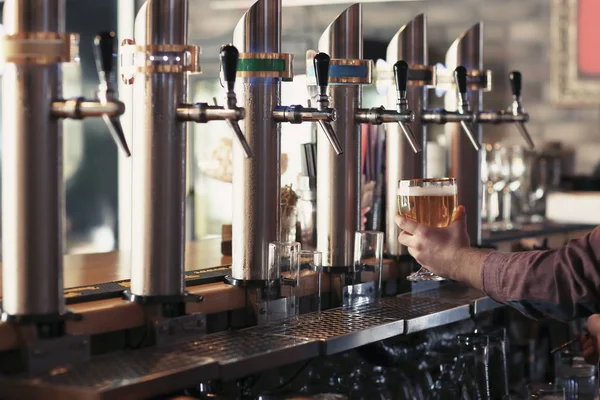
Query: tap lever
(515, 79)
(401, 80)
(410, 136)
(321, 63)
(104, 53)
(516, 82)
(229, 61)
(460, 77)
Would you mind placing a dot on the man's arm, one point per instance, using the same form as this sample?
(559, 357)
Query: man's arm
(562, 284)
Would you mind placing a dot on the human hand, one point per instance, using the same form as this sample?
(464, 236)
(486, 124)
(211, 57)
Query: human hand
(437, 249)
(589, 343)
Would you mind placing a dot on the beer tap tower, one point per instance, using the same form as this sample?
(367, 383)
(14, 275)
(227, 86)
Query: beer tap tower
(160, 61)
(257, 180)
(339, 178)
(464, 163)
(35, 46)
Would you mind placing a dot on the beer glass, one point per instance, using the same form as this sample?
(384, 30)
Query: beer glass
(431, 202)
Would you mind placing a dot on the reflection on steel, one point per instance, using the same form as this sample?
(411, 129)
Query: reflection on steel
(160, 139)
(339, 177)
(408, 44)
(32, 181)
(464, 164)
(159, 162)
(459, 295)
(256, 182)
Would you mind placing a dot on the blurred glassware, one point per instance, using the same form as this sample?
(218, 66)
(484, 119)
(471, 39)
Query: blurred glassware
(495, 171)
(474, 365)
(515, 161)
(577, 377)
(446, 386)
(542, 175)
(368, 259)
(282, 272)
(311, 263)
(545, 391)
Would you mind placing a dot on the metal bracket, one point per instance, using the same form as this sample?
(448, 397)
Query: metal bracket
(266, 65)
(158, 58)
(274, 310)
(359, 294)
(41, 48)
(43, 355)
(173, 330)
(342, 71)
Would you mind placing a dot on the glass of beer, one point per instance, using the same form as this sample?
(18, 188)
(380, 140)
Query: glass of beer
(430, 202)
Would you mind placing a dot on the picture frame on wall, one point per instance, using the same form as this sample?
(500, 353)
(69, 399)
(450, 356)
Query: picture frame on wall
(575, 59)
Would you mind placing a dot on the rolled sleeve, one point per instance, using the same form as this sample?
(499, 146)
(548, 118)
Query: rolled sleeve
(562, 283)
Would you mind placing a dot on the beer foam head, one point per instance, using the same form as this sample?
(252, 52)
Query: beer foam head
(404, 189)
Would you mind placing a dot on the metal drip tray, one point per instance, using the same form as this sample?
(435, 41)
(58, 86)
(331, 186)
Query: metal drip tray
(459, 294)
(151, 372)
(134, 374)
(336, 330)
(417, 313)
(241, 353)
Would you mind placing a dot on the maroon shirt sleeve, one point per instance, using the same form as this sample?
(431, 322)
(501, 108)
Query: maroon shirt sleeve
(562, 283)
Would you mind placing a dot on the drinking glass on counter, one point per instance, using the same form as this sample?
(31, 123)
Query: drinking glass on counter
(283, 271)
(431, 202)
(312, 261)
(368, 258)
(545, 391)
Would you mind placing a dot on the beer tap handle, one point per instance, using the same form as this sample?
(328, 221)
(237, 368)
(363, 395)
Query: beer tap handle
(229, 60)
(321, 63)
(401, 80)
(516, 82)
(460, 77)
(104, 53)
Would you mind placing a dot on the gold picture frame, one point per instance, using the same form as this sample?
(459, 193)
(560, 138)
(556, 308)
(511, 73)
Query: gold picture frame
(569, 87)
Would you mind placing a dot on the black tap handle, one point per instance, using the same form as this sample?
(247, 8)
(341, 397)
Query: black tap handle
(229, 62)
(321, 63)
(516, 81)
(460, 76)
(401, 75)
(104, 53)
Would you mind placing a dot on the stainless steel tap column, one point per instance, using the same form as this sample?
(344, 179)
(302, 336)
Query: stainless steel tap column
(339, 177)
(32, 181)
(256, 181)
(409, 44)
(159, 160)
(160, 61)
(35, 45)
(464, 162)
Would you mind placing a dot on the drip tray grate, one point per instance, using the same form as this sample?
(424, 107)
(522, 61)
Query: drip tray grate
(336, 330)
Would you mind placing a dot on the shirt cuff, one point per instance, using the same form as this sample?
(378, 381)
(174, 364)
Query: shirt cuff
(494, 265)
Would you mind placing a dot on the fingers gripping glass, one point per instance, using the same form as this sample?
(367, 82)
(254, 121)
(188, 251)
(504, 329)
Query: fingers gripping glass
(431, 202)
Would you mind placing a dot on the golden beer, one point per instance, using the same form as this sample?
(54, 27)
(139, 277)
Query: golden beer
(428, 201)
